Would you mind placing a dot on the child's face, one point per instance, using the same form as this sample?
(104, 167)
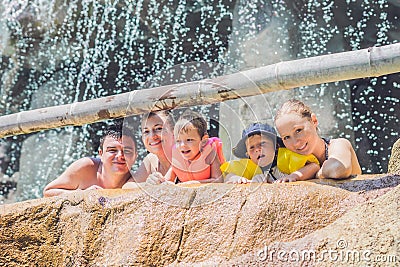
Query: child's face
(188, 142)
(260, 149)
(299, 134)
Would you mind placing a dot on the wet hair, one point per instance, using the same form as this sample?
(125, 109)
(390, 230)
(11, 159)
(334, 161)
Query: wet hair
(116, 131)
(165, 114)
(191, 118)
(294, 106)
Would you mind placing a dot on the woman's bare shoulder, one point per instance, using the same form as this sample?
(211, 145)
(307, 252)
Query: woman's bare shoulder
(340, 142)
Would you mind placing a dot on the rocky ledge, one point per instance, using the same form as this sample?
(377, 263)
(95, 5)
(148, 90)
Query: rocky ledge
(394, 161)
(216, 224)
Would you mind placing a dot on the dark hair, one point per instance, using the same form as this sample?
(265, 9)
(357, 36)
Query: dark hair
(193, 118)
(116, 131)
(166, 114)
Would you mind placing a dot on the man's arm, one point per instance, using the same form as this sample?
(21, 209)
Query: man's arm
(81, 174)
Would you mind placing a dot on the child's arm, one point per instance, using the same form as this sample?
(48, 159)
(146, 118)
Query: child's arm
(153, 179)
(216, 174)
(307, 172)
(342, 161)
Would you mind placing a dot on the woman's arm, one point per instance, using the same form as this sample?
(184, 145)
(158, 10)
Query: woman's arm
(143, 171)
(170, 175)
(342, 161)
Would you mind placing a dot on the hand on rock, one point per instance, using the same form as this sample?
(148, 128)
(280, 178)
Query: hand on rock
(155, 178)
(238, 180)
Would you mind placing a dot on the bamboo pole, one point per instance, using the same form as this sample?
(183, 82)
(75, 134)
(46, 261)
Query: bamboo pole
(371, 62)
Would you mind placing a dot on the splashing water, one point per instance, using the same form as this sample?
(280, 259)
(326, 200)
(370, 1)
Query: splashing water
(58, 52)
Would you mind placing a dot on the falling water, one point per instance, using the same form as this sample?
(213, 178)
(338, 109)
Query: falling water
(63, 51)
(363, 110)
(58, 52)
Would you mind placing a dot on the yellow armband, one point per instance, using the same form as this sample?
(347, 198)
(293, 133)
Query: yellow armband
(243, 167)
(289, 161)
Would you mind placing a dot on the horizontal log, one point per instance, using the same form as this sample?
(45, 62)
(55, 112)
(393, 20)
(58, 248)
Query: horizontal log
(371, 62)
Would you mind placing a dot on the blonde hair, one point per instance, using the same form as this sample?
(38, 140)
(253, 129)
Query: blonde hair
(294, 106)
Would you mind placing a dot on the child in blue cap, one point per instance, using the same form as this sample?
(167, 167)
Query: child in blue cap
(256, 150)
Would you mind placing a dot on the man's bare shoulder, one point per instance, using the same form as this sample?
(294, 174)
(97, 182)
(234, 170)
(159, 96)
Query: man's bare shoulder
(85, 163)
(79, 175)
(82, 169)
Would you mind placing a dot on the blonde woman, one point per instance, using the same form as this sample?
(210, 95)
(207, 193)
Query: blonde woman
(297, 125)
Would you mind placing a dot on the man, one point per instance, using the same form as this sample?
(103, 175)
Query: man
(111, 170)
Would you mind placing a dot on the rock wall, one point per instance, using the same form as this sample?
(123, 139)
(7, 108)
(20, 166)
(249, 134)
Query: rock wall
(394, 162)
(367, 235)
(213, 224)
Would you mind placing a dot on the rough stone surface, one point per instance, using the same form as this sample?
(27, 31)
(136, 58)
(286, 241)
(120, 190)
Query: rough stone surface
(367, 235)
(394, 162)
(216, 224)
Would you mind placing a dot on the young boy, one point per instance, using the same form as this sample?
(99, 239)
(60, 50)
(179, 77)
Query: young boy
(256, 151)
(195, 156)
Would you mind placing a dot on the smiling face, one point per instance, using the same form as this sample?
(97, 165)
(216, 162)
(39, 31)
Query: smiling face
(260, 149)
(157, 135)
(299, 134)
(188, 142)
(118, 155)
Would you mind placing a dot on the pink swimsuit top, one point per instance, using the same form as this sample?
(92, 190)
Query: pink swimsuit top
(197, 169)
